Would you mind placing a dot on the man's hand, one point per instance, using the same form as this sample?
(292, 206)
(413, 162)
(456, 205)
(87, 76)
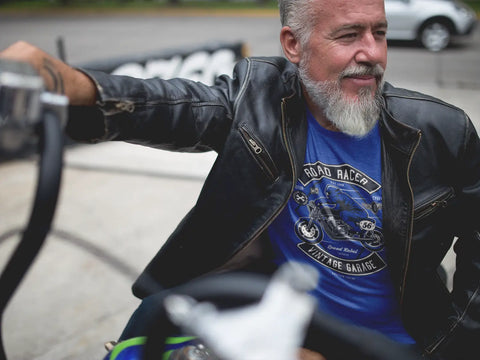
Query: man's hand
(58, 76)
(305, 354)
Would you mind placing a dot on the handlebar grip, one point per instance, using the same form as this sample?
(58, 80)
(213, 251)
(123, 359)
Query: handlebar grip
(20, 91)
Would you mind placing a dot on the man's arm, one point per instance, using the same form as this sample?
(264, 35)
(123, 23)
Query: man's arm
(175, 114)
(58, 76)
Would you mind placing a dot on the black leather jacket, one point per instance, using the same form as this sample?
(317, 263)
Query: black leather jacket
(256, 123)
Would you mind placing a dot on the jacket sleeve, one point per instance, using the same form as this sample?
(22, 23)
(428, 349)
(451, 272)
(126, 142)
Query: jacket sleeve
(465, 334)
(176, 114)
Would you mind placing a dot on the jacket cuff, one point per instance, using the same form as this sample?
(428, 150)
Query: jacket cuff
(87, 123)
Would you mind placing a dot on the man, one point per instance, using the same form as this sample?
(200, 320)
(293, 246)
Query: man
(316, 126)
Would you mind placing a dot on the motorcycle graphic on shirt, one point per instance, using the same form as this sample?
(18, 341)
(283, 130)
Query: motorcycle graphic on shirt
(339, 219)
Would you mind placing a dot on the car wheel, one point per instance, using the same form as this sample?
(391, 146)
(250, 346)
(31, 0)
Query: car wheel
(435, 36)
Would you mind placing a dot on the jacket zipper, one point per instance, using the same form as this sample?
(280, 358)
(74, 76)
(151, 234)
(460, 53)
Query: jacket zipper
(438, 202)
(410, 230)
(294, 176)
(290, 156)
(259, 153)
(112, 107)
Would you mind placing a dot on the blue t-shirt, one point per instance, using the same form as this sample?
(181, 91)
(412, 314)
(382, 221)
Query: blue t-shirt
(334, 222)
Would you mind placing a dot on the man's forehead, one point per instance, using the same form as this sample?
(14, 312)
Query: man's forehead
(354, 12)
(346, 7)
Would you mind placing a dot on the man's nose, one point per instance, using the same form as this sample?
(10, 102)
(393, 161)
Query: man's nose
(371, 50)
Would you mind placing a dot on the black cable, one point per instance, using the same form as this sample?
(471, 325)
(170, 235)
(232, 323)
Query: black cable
(41, 216)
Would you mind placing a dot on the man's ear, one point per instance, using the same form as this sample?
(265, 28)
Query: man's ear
(290, 44)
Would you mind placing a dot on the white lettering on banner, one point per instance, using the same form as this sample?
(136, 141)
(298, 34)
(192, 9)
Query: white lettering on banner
(162, 68)
(199, 66)
(343, 173)
(355, 267)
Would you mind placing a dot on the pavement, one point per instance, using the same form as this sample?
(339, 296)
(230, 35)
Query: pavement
(117, 205)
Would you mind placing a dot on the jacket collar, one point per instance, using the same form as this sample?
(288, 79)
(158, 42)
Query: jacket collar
(398, 134)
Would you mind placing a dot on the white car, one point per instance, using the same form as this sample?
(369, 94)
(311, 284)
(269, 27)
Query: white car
(432, 22)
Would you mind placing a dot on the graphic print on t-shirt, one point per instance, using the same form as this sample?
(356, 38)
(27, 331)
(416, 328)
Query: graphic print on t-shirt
(339, 223)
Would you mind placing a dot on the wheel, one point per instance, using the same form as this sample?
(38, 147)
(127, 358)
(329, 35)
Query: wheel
(375, 243)
(435, 36)
(308, 231)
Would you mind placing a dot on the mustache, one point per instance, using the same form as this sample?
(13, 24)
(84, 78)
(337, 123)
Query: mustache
(362, 70)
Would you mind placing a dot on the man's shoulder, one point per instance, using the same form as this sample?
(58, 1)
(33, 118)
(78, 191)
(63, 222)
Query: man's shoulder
(417, 109)
(276, 75)
(394, 94)
(266, 66)
(278, 62)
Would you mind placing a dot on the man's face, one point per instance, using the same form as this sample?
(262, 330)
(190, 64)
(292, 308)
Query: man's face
(347, 33)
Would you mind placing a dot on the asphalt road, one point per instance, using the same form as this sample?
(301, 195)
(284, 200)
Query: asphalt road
(119, 202)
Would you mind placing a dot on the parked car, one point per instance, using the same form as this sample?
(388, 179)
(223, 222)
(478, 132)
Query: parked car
(431, 22)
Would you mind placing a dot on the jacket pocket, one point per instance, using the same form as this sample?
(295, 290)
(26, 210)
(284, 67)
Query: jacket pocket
(433, 204)
(259, 153)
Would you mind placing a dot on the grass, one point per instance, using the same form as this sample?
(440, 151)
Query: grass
(152, 5)
(136, 5)
(474, 4)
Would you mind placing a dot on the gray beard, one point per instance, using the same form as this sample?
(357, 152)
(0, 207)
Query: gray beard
(356, 118)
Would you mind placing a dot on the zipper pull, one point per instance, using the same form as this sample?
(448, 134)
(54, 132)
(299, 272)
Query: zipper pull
(127, 106)
(112, 107)
(441, 203)
(253, 144)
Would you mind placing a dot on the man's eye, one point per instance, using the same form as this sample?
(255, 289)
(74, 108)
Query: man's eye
(348, 36)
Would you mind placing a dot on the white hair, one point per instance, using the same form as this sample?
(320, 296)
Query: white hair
(298, 15)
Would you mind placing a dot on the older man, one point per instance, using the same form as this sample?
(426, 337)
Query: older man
(319, 161)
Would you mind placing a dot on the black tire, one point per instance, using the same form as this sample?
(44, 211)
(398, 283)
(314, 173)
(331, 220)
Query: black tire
(308, 231)
(376, 242)
(435, 35)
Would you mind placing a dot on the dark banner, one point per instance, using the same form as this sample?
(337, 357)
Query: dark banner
(202, 63)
